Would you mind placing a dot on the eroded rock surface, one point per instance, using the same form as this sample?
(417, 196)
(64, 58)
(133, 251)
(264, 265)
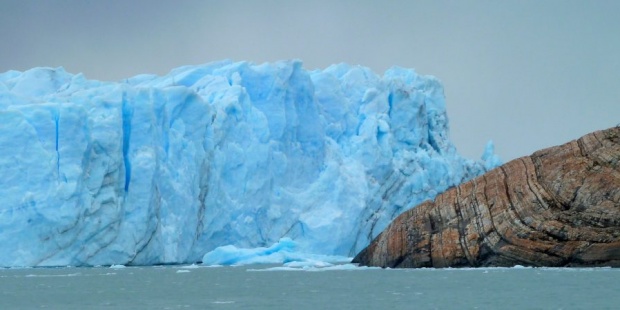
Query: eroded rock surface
(557, 207)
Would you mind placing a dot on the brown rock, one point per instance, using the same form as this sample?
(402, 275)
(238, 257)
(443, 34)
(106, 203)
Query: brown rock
(558, 207)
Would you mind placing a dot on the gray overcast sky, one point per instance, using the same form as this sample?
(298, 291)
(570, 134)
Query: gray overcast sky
(526, 74)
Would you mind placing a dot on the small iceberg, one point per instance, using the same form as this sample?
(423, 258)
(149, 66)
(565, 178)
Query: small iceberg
(282, 252)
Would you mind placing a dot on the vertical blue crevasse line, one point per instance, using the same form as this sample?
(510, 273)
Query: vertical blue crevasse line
(56, 114)
(127, 116)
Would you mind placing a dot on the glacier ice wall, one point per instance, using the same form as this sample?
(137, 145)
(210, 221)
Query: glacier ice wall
(162, 169)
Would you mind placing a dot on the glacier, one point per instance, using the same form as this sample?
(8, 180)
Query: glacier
(163, 169)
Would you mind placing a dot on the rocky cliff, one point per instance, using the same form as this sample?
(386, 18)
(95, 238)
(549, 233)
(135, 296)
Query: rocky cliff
(558, 207)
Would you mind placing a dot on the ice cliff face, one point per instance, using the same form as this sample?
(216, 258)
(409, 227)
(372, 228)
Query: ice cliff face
(154, 169)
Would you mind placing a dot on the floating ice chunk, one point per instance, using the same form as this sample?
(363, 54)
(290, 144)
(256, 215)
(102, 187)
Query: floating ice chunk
(282, 252)
(231, 255)
(314, 268)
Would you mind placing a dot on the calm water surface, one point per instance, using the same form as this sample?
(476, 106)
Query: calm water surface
(257, 287)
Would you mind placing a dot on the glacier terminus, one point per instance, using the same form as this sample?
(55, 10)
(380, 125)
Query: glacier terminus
(164, 169)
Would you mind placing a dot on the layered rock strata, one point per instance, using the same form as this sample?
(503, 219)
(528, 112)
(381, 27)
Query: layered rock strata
(557, 207)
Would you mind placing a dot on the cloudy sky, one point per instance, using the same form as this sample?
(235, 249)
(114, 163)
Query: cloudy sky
(526, 74)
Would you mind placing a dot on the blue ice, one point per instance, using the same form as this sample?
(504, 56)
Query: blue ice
(163, 169)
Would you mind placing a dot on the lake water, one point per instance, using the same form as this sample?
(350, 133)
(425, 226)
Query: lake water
(263, 287)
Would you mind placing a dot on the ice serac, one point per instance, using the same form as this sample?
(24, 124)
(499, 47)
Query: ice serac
(558, 207)
(163, 169)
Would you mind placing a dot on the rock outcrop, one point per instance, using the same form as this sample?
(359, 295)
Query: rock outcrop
(558, 207)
